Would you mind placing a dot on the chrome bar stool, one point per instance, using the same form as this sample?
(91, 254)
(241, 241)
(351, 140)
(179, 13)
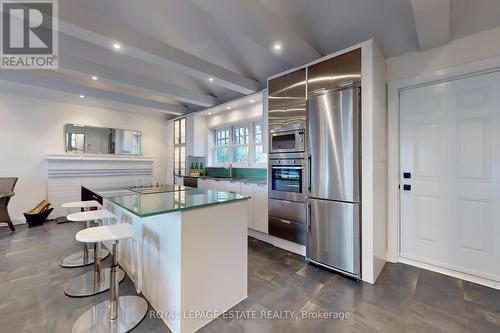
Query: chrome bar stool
(85, 257)
(118, 314)
(98, 280)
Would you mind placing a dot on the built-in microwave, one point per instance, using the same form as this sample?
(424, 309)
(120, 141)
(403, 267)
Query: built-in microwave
(287, 142)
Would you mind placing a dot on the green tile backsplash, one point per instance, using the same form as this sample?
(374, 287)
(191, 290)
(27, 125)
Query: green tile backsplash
(244, 173)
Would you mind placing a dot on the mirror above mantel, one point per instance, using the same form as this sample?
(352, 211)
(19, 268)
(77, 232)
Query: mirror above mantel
(81, 139)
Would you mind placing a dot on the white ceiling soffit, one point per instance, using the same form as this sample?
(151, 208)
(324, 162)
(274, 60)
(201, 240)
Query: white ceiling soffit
(257, 22)
(59, 81)
(104, 32)
(432, 20)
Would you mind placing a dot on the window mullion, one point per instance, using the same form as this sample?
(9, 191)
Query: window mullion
(230, 148)
(251, 145)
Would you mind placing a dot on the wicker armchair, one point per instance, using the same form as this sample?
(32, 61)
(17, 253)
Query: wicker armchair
(6, 192)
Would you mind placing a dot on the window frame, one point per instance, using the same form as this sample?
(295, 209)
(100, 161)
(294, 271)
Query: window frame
(179, 144)
(215, 144)
(262, 143)
(250, 162)
(238, 145)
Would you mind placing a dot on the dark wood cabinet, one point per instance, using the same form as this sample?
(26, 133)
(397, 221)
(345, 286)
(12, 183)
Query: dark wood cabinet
(87, 195)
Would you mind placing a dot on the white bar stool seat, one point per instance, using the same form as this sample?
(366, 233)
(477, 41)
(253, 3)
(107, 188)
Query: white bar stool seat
(98, 280)
(91, 215)
(86, 256)
(82, 204)
(118, 314)
(107, 233)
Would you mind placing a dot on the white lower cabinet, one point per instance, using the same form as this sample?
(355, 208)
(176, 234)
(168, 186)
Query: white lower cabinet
(260, 217)
(230, 186)
(179, 180)
(208, 184)
(257, 218)
(248, 189)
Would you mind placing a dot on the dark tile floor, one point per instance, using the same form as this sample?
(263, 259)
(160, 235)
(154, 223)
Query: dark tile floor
(405, 299)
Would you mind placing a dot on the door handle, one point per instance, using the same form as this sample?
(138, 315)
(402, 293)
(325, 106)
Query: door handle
(309, 164)
(309, 217)
(319, 90)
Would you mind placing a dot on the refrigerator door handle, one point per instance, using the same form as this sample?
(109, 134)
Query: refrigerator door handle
(309, 164)
(309, 217)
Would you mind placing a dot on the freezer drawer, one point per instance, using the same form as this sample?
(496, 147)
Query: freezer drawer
(288, 210)
(333, 235)
(286, 229)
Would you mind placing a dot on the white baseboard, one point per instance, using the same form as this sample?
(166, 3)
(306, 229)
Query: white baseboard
(278, 242)
(450, 272)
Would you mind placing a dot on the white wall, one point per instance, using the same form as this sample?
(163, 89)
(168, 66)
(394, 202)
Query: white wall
(461, 51)
(238, 114)
(31, 128)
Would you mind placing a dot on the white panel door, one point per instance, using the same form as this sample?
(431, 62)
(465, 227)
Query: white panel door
(450, 143)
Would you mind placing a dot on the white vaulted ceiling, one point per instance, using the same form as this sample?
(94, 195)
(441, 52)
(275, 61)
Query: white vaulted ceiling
(170, 48)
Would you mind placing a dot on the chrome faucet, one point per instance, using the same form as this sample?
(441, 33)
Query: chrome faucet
(229, 166)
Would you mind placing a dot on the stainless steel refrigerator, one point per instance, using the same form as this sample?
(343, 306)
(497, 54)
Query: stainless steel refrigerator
(333, 196)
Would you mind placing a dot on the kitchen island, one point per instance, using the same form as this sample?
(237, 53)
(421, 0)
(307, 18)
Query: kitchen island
(192, 250)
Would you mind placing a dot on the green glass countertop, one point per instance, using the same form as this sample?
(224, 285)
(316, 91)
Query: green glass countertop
(162, 203)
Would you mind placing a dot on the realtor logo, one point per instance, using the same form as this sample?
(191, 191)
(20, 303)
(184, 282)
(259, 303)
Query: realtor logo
(29, 34)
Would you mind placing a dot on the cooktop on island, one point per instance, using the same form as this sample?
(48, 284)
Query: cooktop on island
(158, 188)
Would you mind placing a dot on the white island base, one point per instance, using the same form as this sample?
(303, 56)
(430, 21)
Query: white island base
(194, 262)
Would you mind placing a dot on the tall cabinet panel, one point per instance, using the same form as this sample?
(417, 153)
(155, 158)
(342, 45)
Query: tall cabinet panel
(333, 73)
(196, 140)
(296, 99)
(287, 101)
(277, 103)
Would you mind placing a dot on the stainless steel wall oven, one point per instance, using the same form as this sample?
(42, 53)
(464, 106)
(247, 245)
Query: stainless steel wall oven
(287, 176)
(287, 197)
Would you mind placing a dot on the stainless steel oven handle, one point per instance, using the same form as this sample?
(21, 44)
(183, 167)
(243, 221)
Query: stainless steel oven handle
(285, 167)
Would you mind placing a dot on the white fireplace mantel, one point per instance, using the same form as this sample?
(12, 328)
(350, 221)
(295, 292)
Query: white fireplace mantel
(97, 157)
(66, 174)
(72, 165)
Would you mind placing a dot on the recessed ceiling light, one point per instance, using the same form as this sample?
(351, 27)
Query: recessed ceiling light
(117, 46)
(209, 113)
(95, 78)
(251, 101)
(211, 79)
(277, 46)
(81, 96)
(228, 108)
